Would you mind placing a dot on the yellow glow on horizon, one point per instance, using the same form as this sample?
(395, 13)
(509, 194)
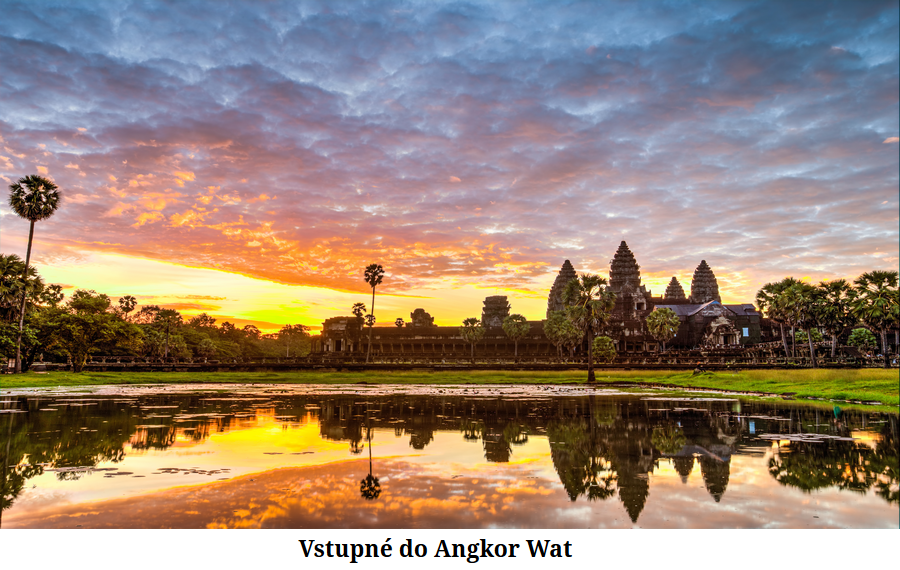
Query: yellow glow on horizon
(269, 305)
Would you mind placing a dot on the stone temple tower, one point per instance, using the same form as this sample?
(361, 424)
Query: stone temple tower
(674, 290)
(566, 274)
(624, 272)
(704, 287)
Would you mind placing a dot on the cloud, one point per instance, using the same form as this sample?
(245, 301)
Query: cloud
(454, 142)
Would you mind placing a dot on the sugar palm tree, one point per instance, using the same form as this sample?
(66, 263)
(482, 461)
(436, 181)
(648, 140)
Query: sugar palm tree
(767, 302)
(34, 198)
(808, 302)
(790, 304)
(359, 309)
(472, 332)
(876, 304)
(588, 306)
(373, 276)
(516, 328)
(835, 313)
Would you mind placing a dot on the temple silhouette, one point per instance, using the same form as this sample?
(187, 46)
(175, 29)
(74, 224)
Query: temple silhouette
(705, 320)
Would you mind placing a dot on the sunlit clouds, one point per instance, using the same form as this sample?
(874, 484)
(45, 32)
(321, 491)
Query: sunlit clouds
(468, 148)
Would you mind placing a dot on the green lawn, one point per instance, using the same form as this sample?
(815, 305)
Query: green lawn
(864, 385)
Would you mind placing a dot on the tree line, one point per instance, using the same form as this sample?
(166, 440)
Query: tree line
(871, 301)
(55, 328)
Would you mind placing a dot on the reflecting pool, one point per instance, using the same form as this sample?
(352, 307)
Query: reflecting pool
(245, 456)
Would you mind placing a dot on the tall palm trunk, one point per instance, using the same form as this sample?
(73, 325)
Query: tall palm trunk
(812, 349)
(884, 348)
(793, 342)
(784, 339)
(833, 345)
(591, 377)
(369, 350)
(18, 368)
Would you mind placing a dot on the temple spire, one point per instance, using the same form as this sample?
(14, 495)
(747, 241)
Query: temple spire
(624, 271)
(566, 274)
(704, 287)
(674, 290)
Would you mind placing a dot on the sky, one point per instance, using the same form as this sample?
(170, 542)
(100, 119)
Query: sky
(249, 159)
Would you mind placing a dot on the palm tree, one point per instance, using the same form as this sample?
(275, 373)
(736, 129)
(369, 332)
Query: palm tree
(767, 302)
(369, 488)
(588, 306)
(359, 309)
(663, 324)
(11, 285)
(835, 314)
(807, 305)
(168, 318)
(876, 304)
(472, 332)
(33, 198)
(126, 305)
(373, 276)
(516, 328)
(788, 303)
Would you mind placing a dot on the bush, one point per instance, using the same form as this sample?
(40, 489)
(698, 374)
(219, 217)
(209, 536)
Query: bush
(862, 338)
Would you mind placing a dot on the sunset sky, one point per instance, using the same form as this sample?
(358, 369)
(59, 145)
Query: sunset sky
(250, 159)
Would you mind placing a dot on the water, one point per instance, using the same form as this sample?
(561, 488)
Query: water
(438, 457)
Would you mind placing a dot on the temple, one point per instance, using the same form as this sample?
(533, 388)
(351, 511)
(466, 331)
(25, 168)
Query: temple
(705, 322)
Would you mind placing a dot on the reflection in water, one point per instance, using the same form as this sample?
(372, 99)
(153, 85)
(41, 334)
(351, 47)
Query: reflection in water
(602, 449)
(369, 487)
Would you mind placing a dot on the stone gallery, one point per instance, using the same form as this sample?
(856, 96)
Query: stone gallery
(705, 320)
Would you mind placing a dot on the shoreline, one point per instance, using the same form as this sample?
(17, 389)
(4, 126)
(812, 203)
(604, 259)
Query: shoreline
(875, 390)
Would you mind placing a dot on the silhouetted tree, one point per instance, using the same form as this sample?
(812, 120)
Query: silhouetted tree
(33, 198)
(373, 276)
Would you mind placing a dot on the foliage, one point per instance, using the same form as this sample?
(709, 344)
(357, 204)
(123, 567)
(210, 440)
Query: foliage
(801, 337)
(877, 305)
(835, 312)
(560, 331)
(589, 305)
(516, 328)
(399, 323)
(604, 350)
(373, 276)
(472, 332)
(291, 335)
(668, 440)
(768, 301)
(862, 338)
(663, 324)
(126, 305)
(11, 270)
(85, 322)
(33, 198)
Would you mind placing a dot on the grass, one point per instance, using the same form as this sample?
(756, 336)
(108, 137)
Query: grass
(862, 385)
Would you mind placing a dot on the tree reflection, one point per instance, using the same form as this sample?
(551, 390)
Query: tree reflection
(583, 468)
(850, 466)
(668, 439)
(369, 488)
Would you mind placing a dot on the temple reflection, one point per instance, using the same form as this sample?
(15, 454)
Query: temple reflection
(601, 447)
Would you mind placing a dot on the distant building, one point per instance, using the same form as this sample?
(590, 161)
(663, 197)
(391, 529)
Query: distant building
(705, 320)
